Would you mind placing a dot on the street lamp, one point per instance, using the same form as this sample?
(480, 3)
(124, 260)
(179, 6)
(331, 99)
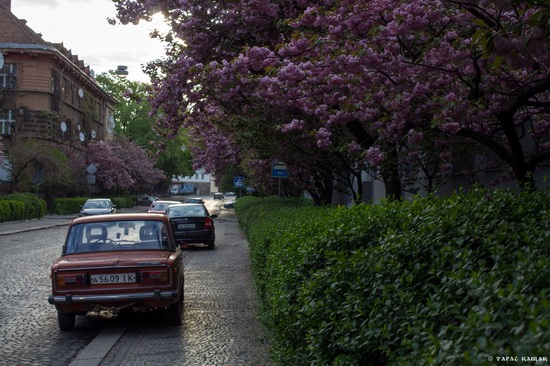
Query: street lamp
(122, 70)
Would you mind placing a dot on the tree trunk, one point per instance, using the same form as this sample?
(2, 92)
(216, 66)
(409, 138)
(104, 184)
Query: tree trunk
(390, 175)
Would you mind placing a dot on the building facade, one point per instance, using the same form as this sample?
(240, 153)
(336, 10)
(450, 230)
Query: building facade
(46, 92)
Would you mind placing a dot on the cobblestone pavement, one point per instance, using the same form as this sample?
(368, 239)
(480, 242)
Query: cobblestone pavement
(29, 334)
(219, 327)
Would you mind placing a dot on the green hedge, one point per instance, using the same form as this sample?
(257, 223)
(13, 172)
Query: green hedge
(68, 206)
(433, 281)
(21, 206)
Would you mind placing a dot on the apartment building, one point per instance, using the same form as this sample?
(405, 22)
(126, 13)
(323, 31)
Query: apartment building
(46, 92)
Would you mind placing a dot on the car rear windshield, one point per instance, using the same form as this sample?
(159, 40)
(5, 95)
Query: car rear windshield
(96, 204)
(117, 235)
(179, 211)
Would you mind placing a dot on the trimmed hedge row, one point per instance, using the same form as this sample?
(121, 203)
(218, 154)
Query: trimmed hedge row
(21, 206)
(69, 206)
(436, 280)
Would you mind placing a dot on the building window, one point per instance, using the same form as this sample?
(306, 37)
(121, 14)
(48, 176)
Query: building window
(8, 76)
(7, 120)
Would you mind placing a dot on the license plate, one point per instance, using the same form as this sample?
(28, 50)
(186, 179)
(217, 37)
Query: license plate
(186, 226)
(113, 278)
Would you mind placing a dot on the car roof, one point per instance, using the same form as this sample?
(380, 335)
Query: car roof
(188, 204)
(119, 217)
(163, 201)
(99, 199)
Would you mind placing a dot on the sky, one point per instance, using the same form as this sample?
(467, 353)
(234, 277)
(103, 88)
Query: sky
(82, 27)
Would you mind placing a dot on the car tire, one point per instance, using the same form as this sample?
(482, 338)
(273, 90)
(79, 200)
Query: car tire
(174, 312)
(211, 244)
(66, 320)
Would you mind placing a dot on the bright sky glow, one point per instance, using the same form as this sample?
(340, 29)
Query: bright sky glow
(83, 28)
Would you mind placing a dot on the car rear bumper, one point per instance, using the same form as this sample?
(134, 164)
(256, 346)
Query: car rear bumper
(134, 297)
(195, 237)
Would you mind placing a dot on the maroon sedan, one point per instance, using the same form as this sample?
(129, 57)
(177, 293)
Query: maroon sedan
(116, 262)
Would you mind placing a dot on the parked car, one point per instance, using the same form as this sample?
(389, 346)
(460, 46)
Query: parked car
(160, 206)
(118, 262)
(194, 200)
(97, 206)
(146, 200)
(230, 194)
(229, 204)
(218, 196)
(192, 223)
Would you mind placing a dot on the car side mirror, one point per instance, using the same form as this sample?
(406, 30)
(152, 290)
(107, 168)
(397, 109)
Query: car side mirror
(213, 216)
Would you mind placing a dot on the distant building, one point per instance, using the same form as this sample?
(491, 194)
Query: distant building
(199, 184)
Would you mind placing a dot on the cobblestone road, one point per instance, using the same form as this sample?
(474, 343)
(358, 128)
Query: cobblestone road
(29, 334)
(219, 327)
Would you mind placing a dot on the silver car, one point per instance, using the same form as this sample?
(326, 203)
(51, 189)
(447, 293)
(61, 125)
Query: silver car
(97, 206)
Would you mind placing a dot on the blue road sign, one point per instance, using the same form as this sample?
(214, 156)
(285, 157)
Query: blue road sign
(238, 182)
(278, 169)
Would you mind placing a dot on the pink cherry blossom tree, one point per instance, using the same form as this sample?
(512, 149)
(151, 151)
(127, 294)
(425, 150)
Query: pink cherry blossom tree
(387, 83)
(111, 171)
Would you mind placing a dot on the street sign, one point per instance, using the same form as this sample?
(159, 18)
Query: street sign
(278, 169)
(91, 179)
(238, 182)
(91, 169)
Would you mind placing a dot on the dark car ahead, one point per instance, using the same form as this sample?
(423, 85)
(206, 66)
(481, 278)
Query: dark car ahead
(192, 223)
(146, 200)
(117, 262)
(97, 206)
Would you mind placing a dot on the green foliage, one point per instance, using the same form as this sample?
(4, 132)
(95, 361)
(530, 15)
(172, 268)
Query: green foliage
(68, 206)
(12, 210)
(126, 201)
(134, 122)
(432, 281)
(5, 211)
(33, 207)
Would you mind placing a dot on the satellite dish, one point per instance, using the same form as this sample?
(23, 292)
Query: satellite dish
(63, 126)
(81, 136)
(80, 93)
(1, 60)
(93, 134)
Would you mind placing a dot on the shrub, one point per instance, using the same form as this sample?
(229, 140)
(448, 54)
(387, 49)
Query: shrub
(119, 202)
(433, 281)
(68, 206)
(4, 211)
(33, 207)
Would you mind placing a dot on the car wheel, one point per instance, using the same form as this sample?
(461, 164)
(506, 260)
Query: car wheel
(211, 244)
(174, 312)
(66, 320)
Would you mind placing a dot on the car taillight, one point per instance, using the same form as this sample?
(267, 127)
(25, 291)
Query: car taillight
(64, 280)
(208, 223)
(154, 276)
